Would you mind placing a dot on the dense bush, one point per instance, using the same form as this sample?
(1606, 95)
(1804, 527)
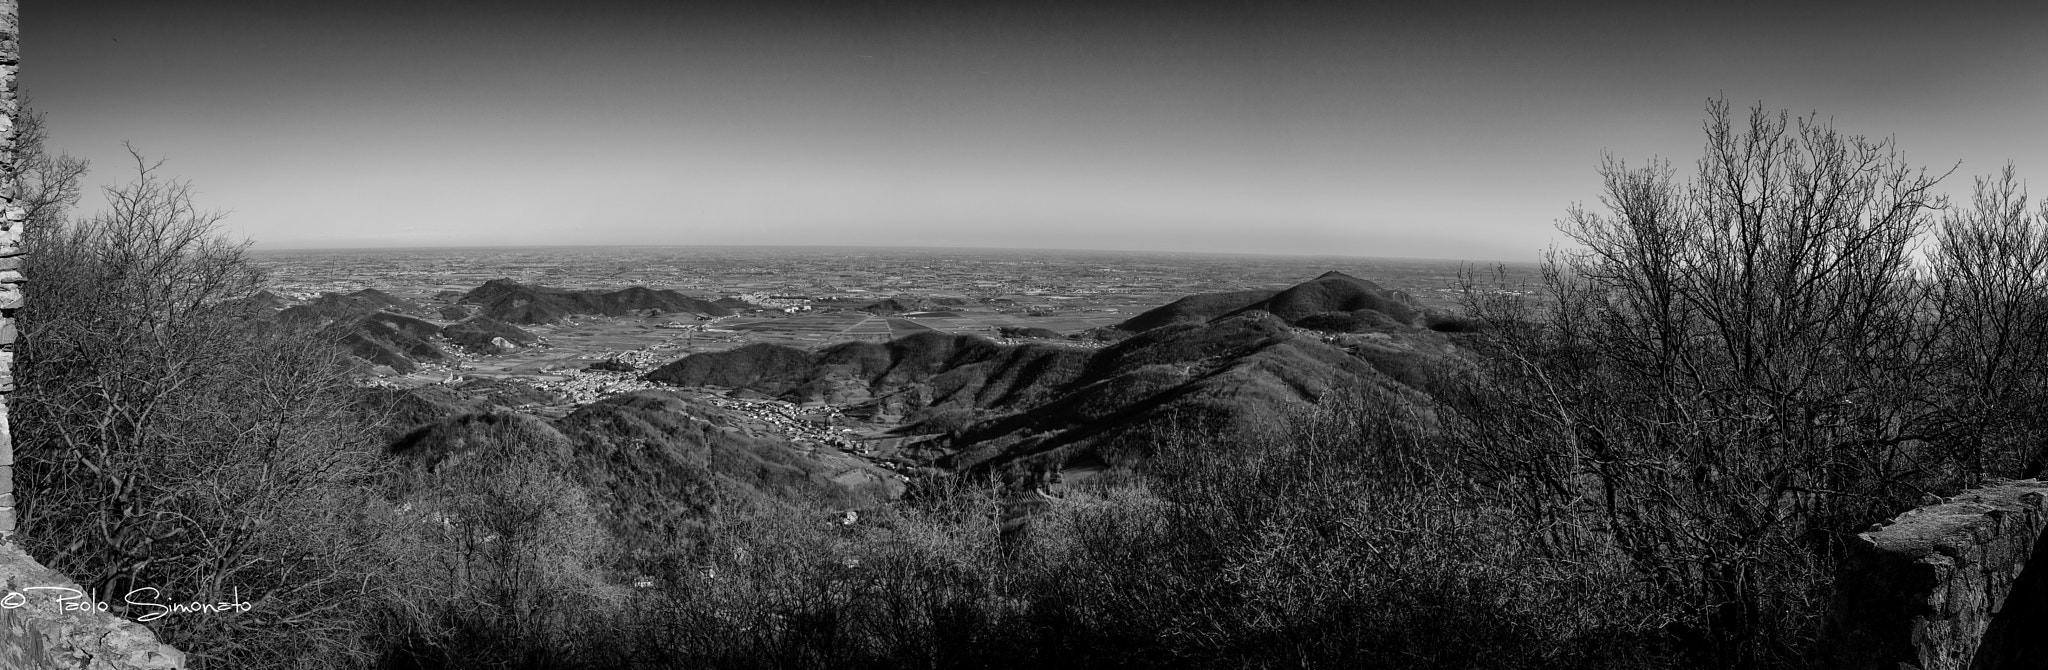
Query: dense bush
(167, 440)
(1345, 538)
(1451, 323)
(505, 553)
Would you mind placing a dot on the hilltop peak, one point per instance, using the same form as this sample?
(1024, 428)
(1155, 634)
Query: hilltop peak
(1331, 301)
(512, 302)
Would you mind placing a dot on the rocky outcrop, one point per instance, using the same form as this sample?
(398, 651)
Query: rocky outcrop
(1947, 586)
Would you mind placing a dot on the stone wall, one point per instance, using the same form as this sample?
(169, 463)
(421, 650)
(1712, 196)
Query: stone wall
(1947, 586)
(11, 220)
(46, 623)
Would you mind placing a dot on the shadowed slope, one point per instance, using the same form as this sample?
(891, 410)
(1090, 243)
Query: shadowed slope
(1336, 292)
(399, 411)
(485, 335)
(902, 377)
(1194, 309)
(1332, 302)
(661, 461)
(393, 340)
(490, 435)
(988, 405)
(1220, 378)
(768, 368)
(368, 324)
(338, 305)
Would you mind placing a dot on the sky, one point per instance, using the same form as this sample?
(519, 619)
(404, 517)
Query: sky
(1457, 130)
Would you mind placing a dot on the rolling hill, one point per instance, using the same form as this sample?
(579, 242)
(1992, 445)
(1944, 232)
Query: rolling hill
(485, 335)
(393, 340)
(513, 302)
(332, 305)
(380, 328)
(1194, 309)
(1218, 363)
(906, 377)
(1333, 302)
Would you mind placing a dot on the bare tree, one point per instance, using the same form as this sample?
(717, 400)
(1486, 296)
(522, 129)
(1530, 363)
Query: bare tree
(1990, 265)
(50, 184)
(169, 440)
(1738, 368)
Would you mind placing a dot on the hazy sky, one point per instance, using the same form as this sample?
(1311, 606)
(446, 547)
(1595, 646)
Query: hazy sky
(1463, 130)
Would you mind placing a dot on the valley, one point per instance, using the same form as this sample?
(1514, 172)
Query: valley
(906, 360)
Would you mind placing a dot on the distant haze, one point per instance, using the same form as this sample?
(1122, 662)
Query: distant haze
(1458, 131)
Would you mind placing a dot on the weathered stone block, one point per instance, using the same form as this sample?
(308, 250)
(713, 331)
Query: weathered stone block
(1923, 590)
(37, 631)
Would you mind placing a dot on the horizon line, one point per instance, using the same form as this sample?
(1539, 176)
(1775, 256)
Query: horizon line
(254, 248)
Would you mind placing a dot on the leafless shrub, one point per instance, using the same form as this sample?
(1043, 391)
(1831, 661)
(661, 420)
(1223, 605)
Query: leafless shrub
(1740, 368)
(167, 441)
